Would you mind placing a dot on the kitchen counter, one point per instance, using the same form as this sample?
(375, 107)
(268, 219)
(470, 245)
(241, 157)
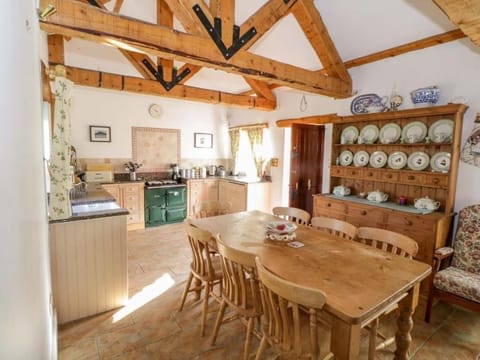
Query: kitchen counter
(93, 203)
(237, 179)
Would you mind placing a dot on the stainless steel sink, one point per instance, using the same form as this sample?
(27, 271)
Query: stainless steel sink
(94, 207)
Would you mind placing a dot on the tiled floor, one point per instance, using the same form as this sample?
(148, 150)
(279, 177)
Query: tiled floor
(150, 327)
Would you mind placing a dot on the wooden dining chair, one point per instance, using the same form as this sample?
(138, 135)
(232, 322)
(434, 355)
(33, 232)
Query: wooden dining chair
(456, 271)
(284, 304)
(240, 291)
(211, 208)
(205, 268)
(394, 243)
(335, 227)
(292, 214)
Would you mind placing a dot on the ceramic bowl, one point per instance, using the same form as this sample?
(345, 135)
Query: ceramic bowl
(425, 96)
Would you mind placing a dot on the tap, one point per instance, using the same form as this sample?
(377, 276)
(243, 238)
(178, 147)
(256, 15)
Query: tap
(78, 190)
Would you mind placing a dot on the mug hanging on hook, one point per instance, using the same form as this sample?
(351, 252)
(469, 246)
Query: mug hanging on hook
(303, 103)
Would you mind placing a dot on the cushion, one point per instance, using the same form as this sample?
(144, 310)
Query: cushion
(458, 282)
(467, 240)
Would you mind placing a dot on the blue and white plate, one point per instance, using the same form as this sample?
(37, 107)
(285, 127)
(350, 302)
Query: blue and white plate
(361, 103)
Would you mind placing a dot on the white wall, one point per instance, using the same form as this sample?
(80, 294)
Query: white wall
(122, 111)
(25, 321)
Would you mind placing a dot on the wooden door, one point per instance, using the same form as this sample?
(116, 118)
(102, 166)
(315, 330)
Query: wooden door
(306, 164)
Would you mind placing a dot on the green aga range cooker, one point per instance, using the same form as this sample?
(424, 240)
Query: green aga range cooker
(165, 202)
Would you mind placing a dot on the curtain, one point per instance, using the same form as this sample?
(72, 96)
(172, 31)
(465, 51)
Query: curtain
(235, 146)
(255, 136)
(471, 150)
(59, 166)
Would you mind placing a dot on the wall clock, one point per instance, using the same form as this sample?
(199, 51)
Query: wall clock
(155, 111)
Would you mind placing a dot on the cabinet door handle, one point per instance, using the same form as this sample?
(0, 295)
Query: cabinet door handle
(408, 222)
(296, 186)
(435, 180)
(309, 184)
(157, 196)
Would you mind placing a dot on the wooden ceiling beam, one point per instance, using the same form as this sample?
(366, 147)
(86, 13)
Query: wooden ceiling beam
(316, 32)
(465, 14)
(56, 49)
(402, 49)
(98, 79)
(76, 19)
(165, 18)
(118, 6)
(225, 10)
(309, 120)
(261, 89)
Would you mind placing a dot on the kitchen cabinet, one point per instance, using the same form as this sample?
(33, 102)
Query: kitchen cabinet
(130, 196)
(200, 190)
(245, 196)
(429, 230)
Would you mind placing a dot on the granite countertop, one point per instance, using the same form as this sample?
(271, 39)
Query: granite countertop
(237, 179)
(94, 203)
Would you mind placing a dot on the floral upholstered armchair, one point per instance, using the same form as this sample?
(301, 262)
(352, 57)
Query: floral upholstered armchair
(459, 283)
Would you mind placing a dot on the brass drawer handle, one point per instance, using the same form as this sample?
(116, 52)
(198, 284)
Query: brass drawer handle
(389, 176)
(370, 174)
(364, 212)
(408, 222)
(328, 205)
(411, 177)
(435, 180)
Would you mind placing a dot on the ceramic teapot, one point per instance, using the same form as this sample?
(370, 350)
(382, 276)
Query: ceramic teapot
(426, 203)
(377, 196)
(341, 190)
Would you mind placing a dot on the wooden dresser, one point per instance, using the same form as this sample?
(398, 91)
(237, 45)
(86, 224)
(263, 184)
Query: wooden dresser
(430, 230)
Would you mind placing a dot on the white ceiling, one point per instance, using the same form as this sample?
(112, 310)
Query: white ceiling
(357, 28)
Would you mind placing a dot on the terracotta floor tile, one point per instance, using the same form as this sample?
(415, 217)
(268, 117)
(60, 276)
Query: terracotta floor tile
(157, 330)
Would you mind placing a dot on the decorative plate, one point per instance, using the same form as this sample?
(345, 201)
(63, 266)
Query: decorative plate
(349, 135)
(418, 161)
(361, 158)
(390, 133)
(378, 159)
(440, 162)
(414, 132)
(346, 158)
(369, 134)
(441, 131)
(360, 104)
(397, 160)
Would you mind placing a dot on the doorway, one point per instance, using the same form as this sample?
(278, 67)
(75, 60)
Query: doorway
(306, 165)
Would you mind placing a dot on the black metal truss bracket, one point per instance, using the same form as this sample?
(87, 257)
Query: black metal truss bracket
(286, 1)
(94, 3)
(215, 33)
(158, 73)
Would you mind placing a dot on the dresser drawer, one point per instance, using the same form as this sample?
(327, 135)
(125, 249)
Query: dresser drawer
(338, 171)
(419, 223)
(412, 178)
(329, 204)
(130, 189)
(365, 216)
(389, 176)
(370, 174)
(436, 180)
(354, 172)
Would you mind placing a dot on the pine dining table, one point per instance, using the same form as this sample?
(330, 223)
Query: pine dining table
(360, 282)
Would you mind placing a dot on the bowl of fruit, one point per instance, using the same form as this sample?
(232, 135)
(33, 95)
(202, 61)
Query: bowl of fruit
(280, 230)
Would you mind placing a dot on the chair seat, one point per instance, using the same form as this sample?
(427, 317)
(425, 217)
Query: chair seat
(458, 282)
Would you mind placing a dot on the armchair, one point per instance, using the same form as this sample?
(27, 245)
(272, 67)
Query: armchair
(459, 283)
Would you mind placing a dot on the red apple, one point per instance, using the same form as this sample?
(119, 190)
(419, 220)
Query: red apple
(281, 227)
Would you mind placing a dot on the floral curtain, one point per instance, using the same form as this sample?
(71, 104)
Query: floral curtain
(234, 145)
(59, 166)
(255, 136)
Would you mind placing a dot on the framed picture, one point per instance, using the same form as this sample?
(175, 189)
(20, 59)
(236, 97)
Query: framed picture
(203, 140)
(100, 133)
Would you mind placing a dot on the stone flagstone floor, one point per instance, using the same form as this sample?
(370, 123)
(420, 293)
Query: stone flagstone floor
(150, 326)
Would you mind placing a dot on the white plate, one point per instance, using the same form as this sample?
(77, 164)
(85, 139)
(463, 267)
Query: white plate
(279, 237)
(418, 161)
(414, 132)
(441, 131)
(369, 134)
(390, 133)
(397, 160)
(361, 158)
(349, 135)
(440, 162)
(378, 159)
(346, 158)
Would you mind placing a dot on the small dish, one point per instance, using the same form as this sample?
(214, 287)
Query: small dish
(378, 159)
(390, 133)
(441, 131)
(369, 134)
(279, 237)
(397, 160)
(418, 161)
(440, 162)
(349, 135)
(361, 103)
(361, 158)
(346, 158)
(414, 132)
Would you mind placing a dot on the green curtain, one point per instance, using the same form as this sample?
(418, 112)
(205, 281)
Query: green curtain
(255, 137)
(234, 146)
(59, 166)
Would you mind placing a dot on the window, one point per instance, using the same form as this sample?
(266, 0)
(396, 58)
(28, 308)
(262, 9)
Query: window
(250, 160)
